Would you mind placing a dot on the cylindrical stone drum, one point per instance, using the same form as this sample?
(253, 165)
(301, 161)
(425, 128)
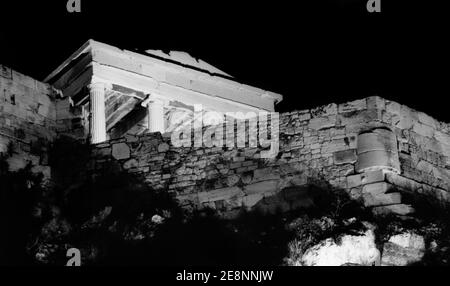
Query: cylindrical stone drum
(376, 150)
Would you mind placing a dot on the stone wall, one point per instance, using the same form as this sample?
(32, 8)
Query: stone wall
(31, 116)
(377, 150)
(318, 147)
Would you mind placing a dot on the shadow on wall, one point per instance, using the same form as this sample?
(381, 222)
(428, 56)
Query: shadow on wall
(115, 218)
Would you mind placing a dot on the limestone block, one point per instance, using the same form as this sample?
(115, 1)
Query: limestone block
(132, 163)
(220, 194)
(120, 151)
(371, 200)
(393, 107)
(302, 116)
(423, 129)
(321, 111)
(131, 138)
(355, 193)
(376, 102)
(322, 122)
(265, 174)
(443, 138)
(352, 106)
(376, 188)
(163, 147)
(250, 201)
(402, 182)
(403, 249)
(232, 180)
(354, 121)
(400, 209)
(406, 118)
(345, 156)
(427, 120)
(372, 177)
(269, 186)
(354, 181)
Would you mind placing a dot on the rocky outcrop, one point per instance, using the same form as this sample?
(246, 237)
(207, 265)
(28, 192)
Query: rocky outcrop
(351, 249)
(403, 249)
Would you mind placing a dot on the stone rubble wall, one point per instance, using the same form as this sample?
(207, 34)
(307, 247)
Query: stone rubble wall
(317, 147)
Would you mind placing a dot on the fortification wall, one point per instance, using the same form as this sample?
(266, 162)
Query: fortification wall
(322, 147)
(377, 150)
(31, 116)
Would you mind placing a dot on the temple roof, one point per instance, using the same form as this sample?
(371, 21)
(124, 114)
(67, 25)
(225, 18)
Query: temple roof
(186, 59)
(174, 75)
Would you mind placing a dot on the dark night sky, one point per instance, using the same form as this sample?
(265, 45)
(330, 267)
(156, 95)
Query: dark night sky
(314, 52)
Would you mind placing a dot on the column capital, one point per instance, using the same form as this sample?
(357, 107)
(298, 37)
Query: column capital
(98, 84)
(153, 99)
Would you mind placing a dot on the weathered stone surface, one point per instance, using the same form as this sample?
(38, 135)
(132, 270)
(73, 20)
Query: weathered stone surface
(377, 159)
(372, 177)
(102, 152)
(371, 200)
(376, 102)
(250, 201)
(399, 209)
(4, 142)
(269, 186)
(376, 188)
(330, 109)
(360, 250)
(423, 129)
(315, 145)
(45, 171)
(354, 181)
(352, 106)
(345, 156)
(120, 151)
(403, 249)
(322, 122)
(220, 194)
(163, 147)
(232, 180)
(402, 182)
(132, 163)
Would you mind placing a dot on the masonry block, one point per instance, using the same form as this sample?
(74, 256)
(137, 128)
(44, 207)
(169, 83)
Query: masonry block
(376, 188)
(262, 187)
(399, 209)
(371, 200)
(372, 177)
(345, 156)
(220, 194)
(120, 151)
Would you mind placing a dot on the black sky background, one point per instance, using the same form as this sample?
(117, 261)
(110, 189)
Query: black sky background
(313, 52)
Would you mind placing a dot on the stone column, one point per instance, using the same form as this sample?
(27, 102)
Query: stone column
(155, 111)
(98, 117)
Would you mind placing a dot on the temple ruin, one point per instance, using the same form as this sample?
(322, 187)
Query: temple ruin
(124, 103)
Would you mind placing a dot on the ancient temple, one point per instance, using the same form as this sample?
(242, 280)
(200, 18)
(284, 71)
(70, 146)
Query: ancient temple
(377, 150)
(124, 92)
